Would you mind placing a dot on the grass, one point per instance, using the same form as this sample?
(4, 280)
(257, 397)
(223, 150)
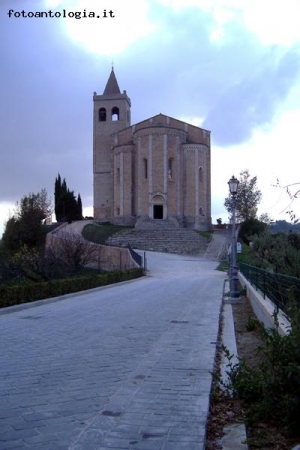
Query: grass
(223, 266)
(206, 234)
(99, 233)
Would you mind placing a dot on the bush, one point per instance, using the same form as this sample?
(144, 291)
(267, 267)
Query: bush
(251, 227)
(271, 390)
(25, 293)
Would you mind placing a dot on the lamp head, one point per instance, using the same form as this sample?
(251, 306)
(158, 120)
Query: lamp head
(233, 185)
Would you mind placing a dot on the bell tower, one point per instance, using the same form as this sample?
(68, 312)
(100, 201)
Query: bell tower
(111, 114)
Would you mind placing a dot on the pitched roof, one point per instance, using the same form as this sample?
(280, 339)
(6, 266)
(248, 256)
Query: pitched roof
(112, 86)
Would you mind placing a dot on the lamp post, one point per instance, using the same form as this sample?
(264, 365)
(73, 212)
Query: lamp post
(233, 184)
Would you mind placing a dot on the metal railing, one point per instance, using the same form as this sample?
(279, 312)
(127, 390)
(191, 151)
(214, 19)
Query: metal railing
(135, 256)
(279, 288)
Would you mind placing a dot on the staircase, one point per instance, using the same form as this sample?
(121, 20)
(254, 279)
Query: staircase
(173, 240)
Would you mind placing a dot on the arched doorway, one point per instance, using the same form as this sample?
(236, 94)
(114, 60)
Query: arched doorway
(158, 207)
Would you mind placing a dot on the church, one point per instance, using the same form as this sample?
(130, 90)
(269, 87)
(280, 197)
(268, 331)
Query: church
(154, 172)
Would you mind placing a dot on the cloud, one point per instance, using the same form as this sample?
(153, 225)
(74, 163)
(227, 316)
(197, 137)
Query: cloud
(253, 102)
(197, 59)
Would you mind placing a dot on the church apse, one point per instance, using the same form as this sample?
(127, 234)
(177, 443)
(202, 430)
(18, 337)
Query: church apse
(158, 168)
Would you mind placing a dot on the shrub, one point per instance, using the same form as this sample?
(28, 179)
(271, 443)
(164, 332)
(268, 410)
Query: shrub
(24, 293)
(271, 390)
(250, 228)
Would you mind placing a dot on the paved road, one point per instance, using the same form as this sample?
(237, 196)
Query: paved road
(123, 367)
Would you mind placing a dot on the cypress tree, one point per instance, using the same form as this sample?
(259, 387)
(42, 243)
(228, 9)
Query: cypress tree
(79, 204)
(67, 207)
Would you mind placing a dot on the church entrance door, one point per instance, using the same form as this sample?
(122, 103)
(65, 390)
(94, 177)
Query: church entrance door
(158, 211)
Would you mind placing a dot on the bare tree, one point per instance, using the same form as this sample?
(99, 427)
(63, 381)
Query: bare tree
(73, 251)
(293, 194)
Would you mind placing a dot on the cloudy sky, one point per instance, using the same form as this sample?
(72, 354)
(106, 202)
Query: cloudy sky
(231, 66)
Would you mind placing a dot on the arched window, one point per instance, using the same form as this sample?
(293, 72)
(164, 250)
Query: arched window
(145, 168)
(201, 212)
(115, 114)
(171, 168)
(102, 115)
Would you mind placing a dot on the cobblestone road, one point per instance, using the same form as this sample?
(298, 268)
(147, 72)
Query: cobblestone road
(123, 367)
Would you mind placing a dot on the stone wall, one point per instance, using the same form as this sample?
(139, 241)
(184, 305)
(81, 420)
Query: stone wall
(104, 257)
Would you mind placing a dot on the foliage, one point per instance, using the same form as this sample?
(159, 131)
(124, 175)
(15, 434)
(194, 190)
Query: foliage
(205, 234)
(265, 218)
(247, 198)
(67, 256)
(101, 232)
(67, 207)
(23, 293)
(35, 202)
(279, 252)
(251, 227)
(271, 389)
(28, 263)
(252, 324)
(26, 225)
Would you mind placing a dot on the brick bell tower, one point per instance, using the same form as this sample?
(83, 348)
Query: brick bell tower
(111, 114)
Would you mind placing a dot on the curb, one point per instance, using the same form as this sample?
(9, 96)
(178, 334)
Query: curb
(48, 301)
(235, 434)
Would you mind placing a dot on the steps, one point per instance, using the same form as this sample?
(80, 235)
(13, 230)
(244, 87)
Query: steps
(173, 240)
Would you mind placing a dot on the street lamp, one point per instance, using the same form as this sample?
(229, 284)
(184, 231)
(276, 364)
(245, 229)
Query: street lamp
(233, 184)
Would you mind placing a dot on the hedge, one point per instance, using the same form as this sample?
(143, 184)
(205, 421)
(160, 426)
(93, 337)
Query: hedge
(15, 295)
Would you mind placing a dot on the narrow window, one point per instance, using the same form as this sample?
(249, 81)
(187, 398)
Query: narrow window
(170, 168)
(115, 114)
(200, 174)
(118, 175)
(102, 115)
(145, 168)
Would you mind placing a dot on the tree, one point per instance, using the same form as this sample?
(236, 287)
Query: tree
(79, 203)
(247, 199)
(265, 218)
(280, 250)
(67, 207)
(73, 252)
(251, 227)
(26, 224)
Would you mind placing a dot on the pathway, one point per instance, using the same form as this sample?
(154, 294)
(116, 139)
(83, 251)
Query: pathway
(122, 367)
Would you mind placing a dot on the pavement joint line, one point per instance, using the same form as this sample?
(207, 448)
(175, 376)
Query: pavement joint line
(116, 369)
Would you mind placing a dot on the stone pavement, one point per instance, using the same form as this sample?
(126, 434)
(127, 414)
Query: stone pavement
(122, 367)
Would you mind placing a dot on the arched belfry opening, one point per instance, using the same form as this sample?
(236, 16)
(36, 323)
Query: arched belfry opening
(102, 115)
(115, 113)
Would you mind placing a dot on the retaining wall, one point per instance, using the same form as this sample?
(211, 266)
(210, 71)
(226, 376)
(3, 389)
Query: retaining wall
(263, 307)
(105, 258)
